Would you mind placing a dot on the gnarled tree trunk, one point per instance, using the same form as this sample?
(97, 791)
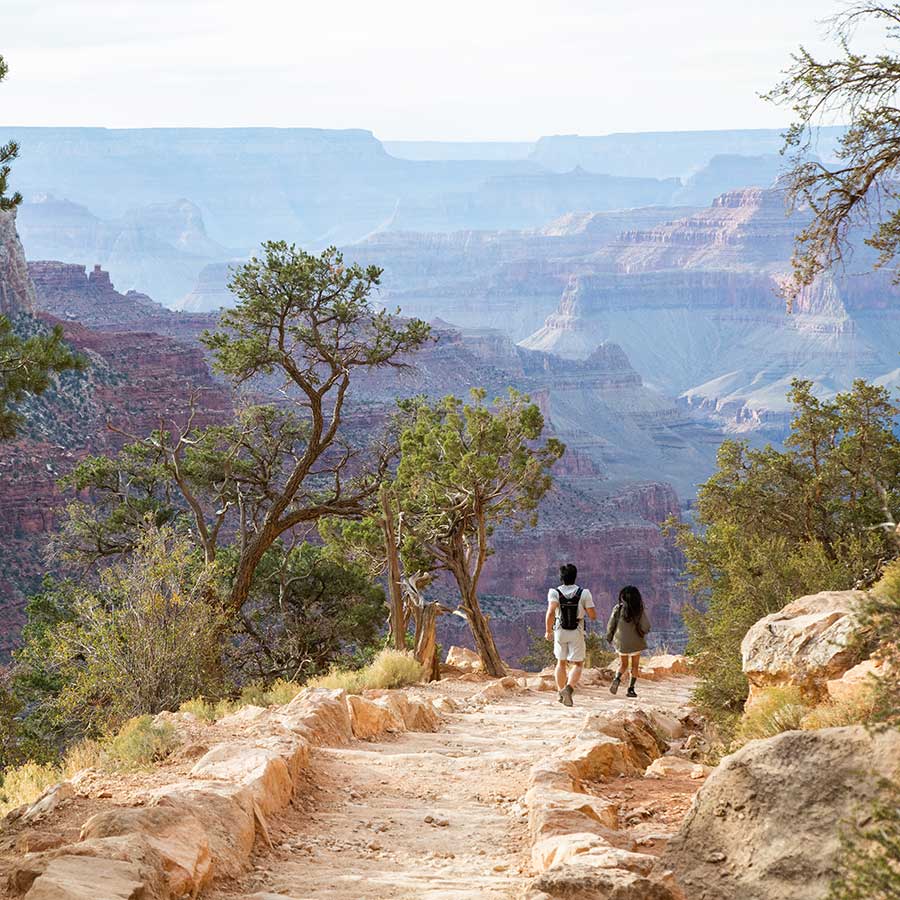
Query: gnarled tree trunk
(398, 618)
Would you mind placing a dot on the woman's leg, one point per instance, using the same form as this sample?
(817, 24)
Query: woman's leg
(635, 664)
(623, 664)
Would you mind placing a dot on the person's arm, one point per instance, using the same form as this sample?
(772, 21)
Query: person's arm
(612, 624)
(645, 622)
(589, 610)
(550, 618)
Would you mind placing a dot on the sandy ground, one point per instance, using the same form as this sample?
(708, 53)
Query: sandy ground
(438, 816)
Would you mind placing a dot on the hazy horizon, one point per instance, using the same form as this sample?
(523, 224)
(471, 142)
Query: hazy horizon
(499, 73)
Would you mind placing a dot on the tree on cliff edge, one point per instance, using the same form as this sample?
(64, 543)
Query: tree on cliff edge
(466, 468)
(8, 152)
(860, 191)
(26, 365)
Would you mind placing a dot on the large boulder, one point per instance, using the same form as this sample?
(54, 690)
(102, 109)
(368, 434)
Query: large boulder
(464, 659)
(805, 644)
(176, 835)
(765, 825)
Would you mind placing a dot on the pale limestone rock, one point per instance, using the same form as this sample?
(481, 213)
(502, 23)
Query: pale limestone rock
(318, 714)
(553, 812)
(766, 823)
(466, 660)
(84, 862)
(676, 766)
(16, 288)
(665, 665)
(370, 719)
(856, 683)
(263, 771)
(49, 801)
(243, 716)
(804, 644)
(178, 837)
(416, 715)
(87, 878)
(226, 812)
(443, 704)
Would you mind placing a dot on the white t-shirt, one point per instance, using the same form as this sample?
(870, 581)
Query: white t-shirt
(568, 590)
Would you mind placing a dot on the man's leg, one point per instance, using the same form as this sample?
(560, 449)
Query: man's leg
(623, 668)
(560, 674)
(575, 674)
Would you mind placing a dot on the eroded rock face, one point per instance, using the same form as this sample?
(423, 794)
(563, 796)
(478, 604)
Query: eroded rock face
(805, 644)
(765, 825)
(16, 289)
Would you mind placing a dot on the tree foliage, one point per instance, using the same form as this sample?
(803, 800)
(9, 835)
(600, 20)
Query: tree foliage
(868, 865)
(144, 639)
(8, 152)
(306, 325)
(860, 191)
(27, 366)
(307, 613)
(465, 469)
(774, 525)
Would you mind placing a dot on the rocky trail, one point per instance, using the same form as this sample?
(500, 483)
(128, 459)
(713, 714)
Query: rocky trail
(440, 815)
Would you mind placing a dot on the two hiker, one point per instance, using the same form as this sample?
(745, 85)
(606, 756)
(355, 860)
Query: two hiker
(567, 607)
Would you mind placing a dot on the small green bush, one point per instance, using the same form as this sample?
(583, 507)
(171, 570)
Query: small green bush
(775, 710)
(201, 708)
(868, 865)
(140, 742)
(389, 669)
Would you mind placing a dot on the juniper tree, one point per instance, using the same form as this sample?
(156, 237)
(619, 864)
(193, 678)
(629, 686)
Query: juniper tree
(860, 190)
(465, 469)
(26, 364)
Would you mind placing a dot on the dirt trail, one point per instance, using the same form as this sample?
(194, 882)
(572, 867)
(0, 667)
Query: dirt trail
(435, 816)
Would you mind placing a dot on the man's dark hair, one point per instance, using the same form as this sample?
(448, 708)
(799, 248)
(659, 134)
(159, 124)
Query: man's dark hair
(568, 573)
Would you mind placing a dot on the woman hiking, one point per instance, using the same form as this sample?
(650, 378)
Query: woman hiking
(627, 628)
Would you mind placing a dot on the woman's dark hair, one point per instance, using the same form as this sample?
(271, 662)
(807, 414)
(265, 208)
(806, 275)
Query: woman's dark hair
(632, 606)
(568, 573)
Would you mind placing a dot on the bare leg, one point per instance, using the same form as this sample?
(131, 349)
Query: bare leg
(560, 674)
(635, 665)
(575, 676)
(623, 665)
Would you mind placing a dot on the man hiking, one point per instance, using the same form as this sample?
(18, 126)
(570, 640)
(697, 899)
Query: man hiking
(567, 605)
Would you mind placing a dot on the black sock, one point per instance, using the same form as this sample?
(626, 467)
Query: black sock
(618, 676)
(633, 682)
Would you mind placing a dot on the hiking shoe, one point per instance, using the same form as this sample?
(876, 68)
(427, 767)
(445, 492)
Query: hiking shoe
(565, 695)
(559, 695)
(615, 685)
(631, 692)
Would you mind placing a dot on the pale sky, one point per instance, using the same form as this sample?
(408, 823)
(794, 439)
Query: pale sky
(405, 69)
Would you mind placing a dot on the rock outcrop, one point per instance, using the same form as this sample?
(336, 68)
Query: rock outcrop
(695, 304)
(186, 833)
(805, 644)
(766, 823)
(16, 290)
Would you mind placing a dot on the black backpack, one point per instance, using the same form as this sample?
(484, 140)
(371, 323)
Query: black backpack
(568, 609)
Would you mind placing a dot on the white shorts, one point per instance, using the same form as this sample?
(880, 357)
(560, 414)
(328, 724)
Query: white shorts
(569, 645)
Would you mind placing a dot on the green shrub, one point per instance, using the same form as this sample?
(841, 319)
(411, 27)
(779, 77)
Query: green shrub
(879, 635)
(775, 710)
(771, 525)
(199, 707)
(389, 669)
(868, 865)
(140, 742)
(147, 637)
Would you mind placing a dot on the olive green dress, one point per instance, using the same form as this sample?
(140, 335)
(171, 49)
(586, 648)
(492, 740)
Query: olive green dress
(623, 635)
